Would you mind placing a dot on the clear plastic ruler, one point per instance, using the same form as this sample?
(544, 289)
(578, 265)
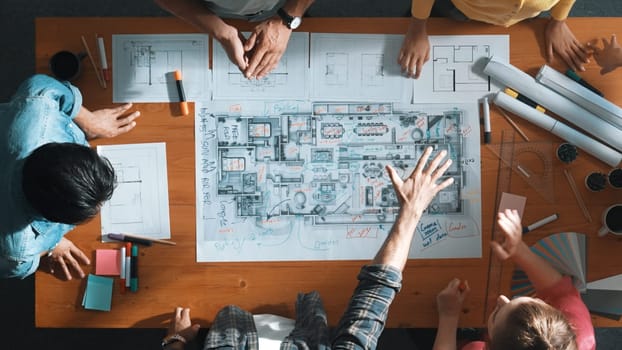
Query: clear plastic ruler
(504, 182)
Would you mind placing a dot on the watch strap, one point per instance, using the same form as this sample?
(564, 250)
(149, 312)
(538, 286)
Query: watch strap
(286, 17)
(173, 339)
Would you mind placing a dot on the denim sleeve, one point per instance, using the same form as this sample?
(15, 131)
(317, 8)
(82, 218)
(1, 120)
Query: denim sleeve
(68, 96)
(364, 319)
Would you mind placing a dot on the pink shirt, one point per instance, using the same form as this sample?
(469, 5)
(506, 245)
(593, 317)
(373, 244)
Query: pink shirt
(564, 296)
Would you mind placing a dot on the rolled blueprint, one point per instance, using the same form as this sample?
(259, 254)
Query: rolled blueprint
(524, 84)
(582, 96)
(586, 143)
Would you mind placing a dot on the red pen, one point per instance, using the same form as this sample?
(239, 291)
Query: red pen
(122, 253)
(102, 58)
(183, 105)
(128, 264)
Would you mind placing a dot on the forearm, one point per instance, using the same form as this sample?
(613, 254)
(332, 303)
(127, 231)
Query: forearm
(395, 249)
(297, 7)
(364, 319)
(421, 9)
(541, 274)
(82, 119)
(561, 10)
(446, 333)
(197, 14)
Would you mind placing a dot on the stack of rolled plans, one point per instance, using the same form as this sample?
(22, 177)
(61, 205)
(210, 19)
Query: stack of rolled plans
(581, 95)
(524, 84)
(610, 145)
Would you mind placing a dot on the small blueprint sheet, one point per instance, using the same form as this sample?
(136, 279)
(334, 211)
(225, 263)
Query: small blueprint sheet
(139, 203)
(143, 66)
(356, 67)
(289, 78)
(273, 184)
(454, 71)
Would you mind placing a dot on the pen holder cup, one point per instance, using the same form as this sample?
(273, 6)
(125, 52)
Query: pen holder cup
(612, 221)
(615, 178)
(596, 181)
(567, 153)
(66, 65)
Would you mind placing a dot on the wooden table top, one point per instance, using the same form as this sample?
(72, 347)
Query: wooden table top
(170, 276)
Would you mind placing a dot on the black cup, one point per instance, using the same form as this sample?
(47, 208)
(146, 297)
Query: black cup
(612, 220)
(596, 181)
(66, 65)
(615, 178)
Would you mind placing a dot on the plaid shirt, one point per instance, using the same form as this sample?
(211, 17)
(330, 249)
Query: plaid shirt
(359, 327)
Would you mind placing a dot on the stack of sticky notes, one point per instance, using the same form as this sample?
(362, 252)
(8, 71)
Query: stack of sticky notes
(98, 293)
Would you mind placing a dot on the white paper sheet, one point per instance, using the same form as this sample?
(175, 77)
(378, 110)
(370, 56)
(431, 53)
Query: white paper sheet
(278, 186)
(454, 71)
(143, 66)
(139, 204)
(358, 67)
(287, 81)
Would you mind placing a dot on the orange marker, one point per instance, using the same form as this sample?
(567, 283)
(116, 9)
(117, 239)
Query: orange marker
(183, 105)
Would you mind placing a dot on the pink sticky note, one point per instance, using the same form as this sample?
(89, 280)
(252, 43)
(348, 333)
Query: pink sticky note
(512, 201)
(107, 262)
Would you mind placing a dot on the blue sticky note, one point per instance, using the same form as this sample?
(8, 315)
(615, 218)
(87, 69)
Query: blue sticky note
(98, 293)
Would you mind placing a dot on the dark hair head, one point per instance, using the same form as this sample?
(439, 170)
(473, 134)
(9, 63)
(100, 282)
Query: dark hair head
(534, 326)
(67, 182)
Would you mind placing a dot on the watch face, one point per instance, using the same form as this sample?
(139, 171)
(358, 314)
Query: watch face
(296, 21)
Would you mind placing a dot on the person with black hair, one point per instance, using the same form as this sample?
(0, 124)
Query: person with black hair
(50, 179)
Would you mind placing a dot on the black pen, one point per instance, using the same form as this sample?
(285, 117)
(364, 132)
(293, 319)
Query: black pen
(134, 269)
(574, 76)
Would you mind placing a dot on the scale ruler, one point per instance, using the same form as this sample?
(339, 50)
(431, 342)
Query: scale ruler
(504, 181)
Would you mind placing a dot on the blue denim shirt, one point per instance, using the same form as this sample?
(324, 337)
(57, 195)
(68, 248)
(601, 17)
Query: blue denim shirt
(40, 112)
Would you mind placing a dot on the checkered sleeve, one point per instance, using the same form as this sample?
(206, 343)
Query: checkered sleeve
(364, 319)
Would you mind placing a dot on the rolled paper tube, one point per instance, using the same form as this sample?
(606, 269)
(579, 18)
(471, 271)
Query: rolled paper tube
(582, 141)
(523, 83)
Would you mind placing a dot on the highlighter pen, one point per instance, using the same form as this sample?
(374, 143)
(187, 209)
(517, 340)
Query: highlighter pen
(123, 238)
(486, 109)
(134, 269)
(524, 99)
(183, 105)
(540, 223)
(574, 76)
(122, 268)
(128, 264)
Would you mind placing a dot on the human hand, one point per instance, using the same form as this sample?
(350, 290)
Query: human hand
(65, 260)
(510, 223)
(449, 301)
(609, 57)
(415, 50)
(182, 324)
(265, 47)
(416, 192)
(559, 39)
(107, 122)
(232, 41)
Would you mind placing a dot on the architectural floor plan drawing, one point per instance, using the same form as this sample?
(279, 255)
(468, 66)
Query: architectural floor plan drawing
(451, 66)
(351, 67)
(144, 64)
(139, 203)
(289, 78)
(313, 186)
(454, 71)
